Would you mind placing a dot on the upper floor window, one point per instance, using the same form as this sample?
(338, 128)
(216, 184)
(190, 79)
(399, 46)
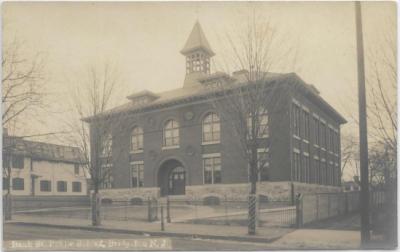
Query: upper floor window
(137, 139)
(211, 128)
(261, 122)
(76, 169)
(107, 145)
(316, 131)
(296, 119)
(137, 172)
(306, 125)
(18, 184)
(322, 132)
(332, 140)
(61, 186)
(45, 186)
(18, 161)
(76, 186)
(171, 133)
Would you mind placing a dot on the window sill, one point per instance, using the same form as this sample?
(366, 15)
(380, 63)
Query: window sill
(136, 152)
(306, 141)
(211, 142)
(296, 137)
(316, 146)
(170, 147)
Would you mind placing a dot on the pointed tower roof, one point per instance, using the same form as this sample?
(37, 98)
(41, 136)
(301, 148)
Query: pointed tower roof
(197, 40)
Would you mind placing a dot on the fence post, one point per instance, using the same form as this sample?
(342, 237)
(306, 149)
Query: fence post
(329, 205)
(292, 193)
(317, 206)
(149, 209)
(168, 211)
(346, 204)
(299, 211)
(226, 210)
(162, 218)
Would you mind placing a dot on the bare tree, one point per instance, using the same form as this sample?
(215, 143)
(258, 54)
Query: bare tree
(23, 83)
(350, 155)
(94, 127)
(22, 95)
(247, 101)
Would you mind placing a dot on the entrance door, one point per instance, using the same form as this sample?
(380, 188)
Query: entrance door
(176, 181)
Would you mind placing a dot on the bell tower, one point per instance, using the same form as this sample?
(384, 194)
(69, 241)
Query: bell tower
(198, 52)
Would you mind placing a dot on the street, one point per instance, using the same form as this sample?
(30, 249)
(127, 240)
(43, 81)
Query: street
(24, 232)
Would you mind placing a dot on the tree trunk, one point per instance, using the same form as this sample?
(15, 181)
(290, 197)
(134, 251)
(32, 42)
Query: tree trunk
(96, 206)
(253, 197)
(7, 207)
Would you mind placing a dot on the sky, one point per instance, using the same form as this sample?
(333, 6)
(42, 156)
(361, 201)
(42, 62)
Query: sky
(143, 41)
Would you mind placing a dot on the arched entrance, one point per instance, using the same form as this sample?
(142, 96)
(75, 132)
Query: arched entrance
(172, 178)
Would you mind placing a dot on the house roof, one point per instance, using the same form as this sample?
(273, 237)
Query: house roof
(197, 40)
(42, 151)
(190, 93)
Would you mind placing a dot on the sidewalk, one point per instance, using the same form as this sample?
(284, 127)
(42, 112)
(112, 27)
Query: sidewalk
(319, 239)
(220, 232)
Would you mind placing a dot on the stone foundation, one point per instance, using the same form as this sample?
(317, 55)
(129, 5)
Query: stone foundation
(273, 190)
(129, 193)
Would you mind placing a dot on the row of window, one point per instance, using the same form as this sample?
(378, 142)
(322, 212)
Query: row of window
(324, 136)
(17, 162)
(318, 172)
(211, 132)
(45, 185)
(211, 169)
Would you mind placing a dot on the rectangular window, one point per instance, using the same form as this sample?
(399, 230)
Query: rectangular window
(76, 169)
(18, 161)
(296, 119)
(316, 131)
(212, 169)
(106, 177)
(18, 184)
(324, 172)
(331, 140)
(328, 138)
(6, 161)
(263, 164)
(76, 187)
(107, 146)
(305, 168)
(45, 186)
(317, 171)
(322, 134)
(61, 186)
(296, 166)
(5, 183)
(306, 120)
(137, 170)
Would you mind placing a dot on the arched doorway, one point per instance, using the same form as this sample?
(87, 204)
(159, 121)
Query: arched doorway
(172, 178)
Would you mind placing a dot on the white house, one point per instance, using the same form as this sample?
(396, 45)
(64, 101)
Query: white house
(42, 169)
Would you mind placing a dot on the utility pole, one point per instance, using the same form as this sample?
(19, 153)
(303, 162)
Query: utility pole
(362, 113)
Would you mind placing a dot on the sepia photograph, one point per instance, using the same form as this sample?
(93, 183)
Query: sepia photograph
(199, 126)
